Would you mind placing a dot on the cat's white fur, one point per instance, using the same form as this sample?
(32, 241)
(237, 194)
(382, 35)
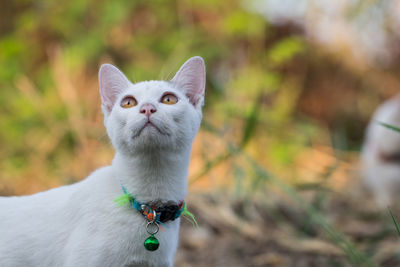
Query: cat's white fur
(381, 176)
(79, 224)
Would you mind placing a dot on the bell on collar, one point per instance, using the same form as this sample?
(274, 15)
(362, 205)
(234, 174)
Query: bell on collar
(151, 243)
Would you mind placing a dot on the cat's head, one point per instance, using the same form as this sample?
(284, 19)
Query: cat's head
(153, 114)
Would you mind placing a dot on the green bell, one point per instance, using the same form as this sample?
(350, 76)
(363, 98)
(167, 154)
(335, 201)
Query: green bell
(151, 243)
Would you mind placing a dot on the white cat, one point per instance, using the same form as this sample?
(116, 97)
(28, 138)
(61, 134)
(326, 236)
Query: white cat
(381, 153)
(151, 125)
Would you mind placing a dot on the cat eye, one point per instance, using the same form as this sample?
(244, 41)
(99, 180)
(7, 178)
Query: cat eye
(169, 99)
(128, 102)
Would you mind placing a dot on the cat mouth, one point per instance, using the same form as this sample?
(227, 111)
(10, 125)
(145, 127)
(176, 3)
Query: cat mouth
(148, 124)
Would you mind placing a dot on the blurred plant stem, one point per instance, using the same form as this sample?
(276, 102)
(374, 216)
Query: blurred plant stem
(248, 130)
(394, 221)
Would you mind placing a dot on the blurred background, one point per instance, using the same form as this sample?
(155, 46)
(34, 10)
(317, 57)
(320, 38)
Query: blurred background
(291, 86)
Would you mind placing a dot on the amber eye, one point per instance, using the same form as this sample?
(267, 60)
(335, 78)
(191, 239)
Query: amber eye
(169, 99)
(128, 102)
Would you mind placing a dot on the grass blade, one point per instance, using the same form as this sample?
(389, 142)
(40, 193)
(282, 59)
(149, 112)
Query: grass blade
(391, 127)
(251, 122)
(394, 221)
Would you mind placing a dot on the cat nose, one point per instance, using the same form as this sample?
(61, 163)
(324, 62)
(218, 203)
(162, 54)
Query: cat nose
(148, 109)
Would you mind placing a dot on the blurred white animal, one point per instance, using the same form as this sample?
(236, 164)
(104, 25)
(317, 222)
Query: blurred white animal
(381, 153)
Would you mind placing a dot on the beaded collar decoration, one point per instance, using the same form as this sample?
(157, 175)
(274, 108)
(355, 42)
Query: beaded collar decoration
(155, 214)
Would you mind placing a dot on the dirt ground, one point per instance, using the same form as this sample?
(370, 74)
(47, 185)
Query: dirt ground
(280, 234)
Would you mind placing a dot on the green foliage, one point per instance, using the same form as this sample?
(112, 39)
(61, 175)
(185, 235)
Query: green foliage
(286, 49)
(240, 24)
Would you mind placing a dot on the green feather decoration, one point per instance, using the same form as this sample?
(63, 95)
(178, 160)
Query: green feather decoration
(189, 216)
(123, 199)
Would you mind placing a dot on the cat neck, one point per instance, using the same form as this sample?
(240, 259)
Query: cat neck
(154, 175)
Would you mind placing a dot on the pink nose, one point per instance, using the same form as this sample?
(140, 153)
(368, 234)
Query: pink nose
(148, 109)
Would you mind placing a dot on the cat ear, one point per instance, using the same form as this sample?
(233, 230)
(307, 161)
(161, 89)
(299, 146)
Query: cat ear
(112, 82)
(191, 79)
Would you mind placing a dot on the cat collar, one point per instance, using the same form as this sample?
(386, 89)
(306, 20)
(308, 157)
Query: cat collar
(155, 214)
